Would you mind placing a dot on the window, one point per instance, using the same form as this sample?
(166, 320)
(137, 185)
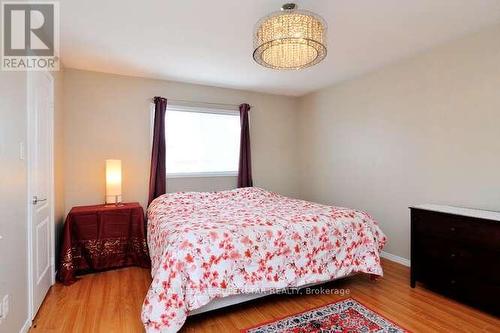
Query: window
(201, 141)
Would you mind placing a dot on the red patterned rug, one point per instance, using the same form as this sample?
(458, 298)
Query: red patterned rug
(344, 316)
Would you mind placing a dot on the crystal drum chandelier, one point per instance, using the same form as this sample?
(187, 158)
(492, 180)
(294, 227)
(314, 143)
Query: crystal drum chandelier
(290, 39)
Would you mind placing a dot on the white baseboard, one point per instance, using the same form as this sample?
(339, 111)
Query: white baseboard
(395, 258)
(26, 327)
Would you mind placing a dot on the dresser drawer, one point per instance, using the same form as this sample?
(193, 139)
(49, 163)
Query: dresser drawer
(476, 292)
(479, 293)
(447, 255)
(481, 233)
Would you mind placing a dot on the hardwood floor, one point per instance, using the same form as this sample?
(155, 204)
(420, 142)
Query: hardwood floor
(111, 302)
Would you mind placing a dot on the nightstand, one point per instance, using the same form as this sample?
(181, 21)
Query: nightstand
(102, 237)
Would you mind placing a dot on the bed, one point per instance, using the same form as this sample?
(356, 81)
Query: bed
(213, 249)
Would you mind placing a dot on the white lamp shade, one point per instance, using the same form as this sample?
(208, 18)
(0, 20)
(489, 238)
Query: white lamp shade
(113, 181)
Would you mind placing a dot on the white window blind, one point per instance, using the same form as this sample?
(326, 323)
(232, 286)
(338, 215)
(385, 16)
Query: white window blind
(201, 141)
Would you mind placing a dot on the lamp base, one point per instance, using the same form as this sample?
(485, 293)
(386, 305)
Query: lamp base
(116, 198)
(120, 204)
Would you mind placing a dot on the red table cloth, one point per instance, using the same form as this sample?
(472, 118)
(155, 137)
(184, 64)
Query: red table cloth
(102, 237)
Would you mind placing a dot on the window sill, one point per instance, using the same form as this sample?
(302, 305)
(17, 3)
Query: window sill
(202, 174)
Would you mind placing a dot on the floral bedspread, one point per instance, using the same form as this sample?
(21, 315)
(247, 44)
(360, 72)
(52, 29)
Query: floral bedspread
(210, 245)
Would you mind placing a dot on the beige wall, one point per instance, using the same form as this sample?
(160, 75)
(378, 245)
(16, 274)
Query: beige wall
(107, 116)
(13, 199)
(425, 130)
(59, 213)
(201, 184)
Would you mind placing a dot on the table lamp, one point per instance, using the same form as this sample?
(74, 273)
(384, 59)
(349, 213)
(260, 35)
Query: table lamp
(113, 182)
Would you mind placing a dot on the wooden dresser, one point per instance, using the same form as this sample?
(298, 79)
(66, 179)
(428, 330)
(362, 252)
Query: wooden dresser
(456, 252)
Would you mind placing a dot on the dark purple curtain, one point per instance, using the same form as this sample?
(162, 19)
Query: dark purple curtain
(245, 166)
(158, 173)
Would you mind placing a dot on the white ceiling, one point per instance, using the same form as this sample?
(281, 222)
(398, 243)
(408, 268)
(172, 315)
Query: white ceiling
(210, 42)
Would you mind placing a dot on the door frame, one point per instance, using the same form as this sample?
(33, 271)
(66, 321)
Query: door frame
(29, 142)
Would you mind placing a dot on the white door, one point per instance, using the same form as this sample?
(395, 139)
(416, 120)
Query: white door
(40, 178)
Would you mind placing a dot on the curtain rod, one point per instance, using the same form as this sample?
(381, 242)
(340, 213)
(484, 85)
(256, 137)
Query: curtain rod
(181, 101)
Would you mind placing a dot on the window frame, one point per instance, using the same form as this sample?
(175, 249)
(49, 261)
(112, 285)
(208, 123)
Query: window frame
(195, 107)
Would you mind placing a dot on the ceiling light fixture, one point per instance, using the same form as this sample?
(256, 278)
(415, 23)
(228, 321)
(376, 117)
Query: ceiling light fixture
(290, 39)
